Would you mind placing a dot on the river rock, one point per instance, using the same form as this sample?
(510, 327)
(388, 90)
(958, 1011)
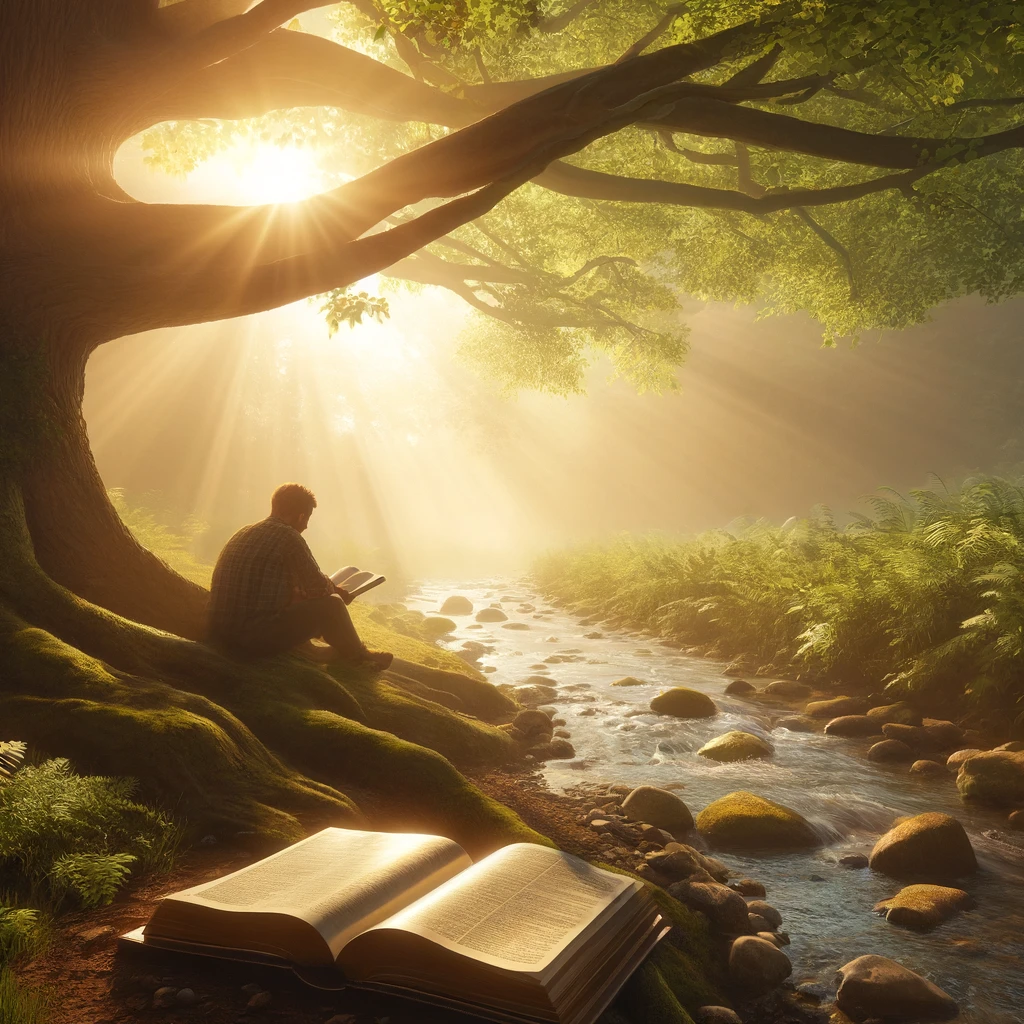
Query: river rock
(994, 777)
(556, 749)
(795, 723)
(958, 757)
(716, 1015)
(758, 924)
(767, 911)
(682, 702)
(757, 966)
(1016, 821)
(532, 723)
(890, 750)
(926, 767)
(739, 687)
(854, 861)
(490, 615)
(1014, 746)
(725, 909)
(788, 689)
(923, 907)
(735, 745)
(630, 681)
(658, 807)
(899, 712)
(837, 707)
(743, 821)
(457, 605)
(932, 847)
(853, 725)
(876, 988)
(915, 736)
(748, 887)
(945, 735)
(534, 694)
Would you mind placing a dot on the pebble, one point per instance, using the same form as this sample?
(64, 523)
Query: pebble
(91, 935)
(748, 887)
(164, 997)
(341, 1018)
(854, 860)
(185, 997)
(260, 1001)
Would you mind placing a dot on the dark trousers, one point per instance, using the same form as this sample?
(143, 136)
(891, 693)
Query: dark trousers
(322, 618)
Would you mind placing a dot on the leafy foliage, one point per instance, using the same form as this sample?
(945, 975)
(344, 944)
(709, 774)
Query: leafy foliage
(925, 595)
(342, 305)
(940, 70)
(19, 932)
(19, 1005)
(64, 834)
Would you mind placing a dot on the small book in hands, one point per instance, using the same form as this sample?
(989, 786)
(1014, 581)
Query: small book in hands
(528, 935)
(356, 581)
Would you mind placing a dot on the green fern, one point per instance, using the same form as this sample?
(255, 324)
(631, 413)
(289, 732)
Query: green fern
(93, 877)
(20, 932)
(12, 753)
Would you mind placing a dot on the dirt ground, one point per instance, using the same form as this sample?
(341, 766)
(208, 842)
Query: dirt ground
(91, 981)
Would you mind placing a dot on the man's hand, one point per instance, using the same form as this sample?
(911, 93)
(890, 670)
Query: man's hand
(347, 598)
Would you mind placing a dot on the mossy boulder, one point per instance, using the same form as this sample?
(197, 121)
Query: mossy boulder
(756, 966)
(438, 625)
(877, 988)
(457, 605)
(899, 712)
(930, 847)
(630, 681)
(682, 702)
(836, 707)
(927, 768)
(958, 757)
(889, 751)
(743, 821)
(995, 777)
(658, 807)
(490, 615)
(923, 907)
(853, 726)
(735, 745)
(740, 688)
(795, 723)
(788, 689)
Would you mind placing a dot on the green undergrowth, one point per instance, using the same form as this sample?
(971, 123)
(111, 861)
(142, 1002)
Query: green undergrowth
(925, 596)
(19, 1004)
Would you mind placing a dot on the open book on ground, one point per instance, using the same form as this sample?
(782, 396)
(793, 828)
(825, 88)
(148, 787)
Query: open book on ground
(528, 934)
(355, 581)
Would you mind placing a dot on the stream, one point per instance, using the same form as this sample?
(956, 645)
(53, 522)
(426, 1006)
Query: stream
(977, 956)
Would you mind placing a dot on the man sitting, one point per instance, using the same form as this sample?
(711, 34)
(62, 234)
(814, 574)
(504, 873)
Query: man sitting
(269, 596)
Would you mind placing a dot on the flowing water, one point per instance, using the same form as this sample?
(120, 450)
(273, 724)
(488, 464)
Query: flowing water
(977, 956)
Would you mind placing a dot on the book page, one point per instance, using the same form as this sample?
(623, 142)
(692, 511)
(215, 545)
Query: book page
(517, 909)
(343, 574)
(341, 881)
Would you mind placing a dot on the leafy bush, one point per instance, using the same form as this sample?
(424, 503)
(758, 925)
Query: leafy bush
(927, 594)
(20, 932)
(63, 834)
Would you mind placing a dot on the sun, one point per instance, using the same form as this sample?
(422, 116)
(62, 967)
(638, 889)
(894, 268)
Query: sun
(267, 173)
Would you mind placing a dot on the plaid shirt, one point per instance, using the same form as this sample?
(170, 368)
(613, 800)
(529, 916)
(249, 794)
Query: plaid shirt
(263, 568)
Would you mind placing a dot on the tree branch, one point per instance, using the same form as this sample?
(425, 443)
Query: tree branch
(834, 244)
(563, 20)
(716, 119)
(659, 29)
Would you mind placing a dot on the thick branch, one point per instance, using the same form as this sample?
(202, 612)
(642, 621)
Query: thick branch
(659, 29)
(834, 244)
(586, 184)
(715, 119)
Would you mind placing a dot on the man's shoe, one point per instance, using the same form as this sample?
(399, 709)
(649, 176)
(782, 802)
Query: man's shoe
(379, 659)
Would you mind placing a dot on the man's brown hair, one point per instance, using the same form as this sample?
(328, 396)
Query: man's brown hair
(291, 500)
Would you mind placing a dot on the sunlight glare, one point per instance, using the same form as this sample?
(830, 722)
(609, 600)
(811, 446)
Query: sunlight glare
(267, 173)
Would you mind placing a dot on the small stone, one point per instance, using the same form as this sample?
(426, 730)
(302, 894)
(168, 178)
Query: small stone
(91, 935)
(1016, 821)
(767, 911)
(748, 887)
(854, 860)
(260, 1001)
(813, 991)
(768, 936)
(788, 689)
(927, 768)
(795, 723)
(739, 687)
(658, 807)
(758, 924)
(185, 997)
(716, 1015)
(251, 989)
(342, 1018)
(164, 997)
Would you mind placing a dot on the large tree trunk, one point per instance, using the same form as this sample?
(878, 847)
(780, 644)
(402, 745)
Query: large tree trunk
(78, 538)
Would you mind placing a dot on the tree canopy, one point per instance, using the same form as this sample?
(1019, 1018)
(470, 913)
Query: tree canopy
(859, 162)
